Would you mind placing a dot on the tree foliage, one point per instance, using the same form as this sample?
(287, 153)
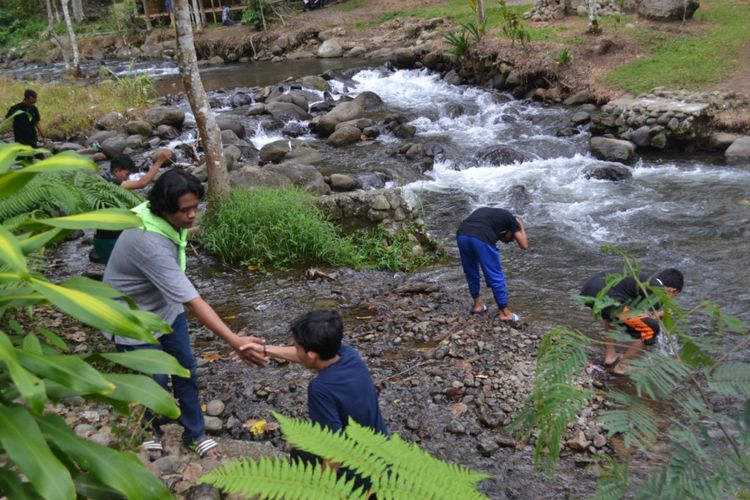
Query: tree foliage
(37, 369)
(673, 402)
(395, 468)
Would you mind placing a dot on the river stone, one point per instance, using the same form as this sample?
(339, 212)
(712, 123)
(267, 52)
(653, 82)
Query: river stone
(70, 146)
(722, 140)
(579, 442)
(232, 156)
(739, 152)
(344, 136)
(599, 441)
(102, 438)
(99, 137)
(229, 137)
(343, 182)
(167, 132)
(295, 98)
(330, 48)
(275, 151)
(667, 10)
(612, 149)
(303, 176)
(135, 141)
(164, 115)
(609, 171)
(110, 121)
(213, 425)
(113, 146)
(215, 408)
(252, 176)
(303, 153)
(404, 131)
(256, 109)
(659, 140)
(168, 464)
(360, 123)
(286, 111)
(487, 446)
(140, 127)
(500, 155)
(84, 430)
(580, 97)
(241, 99)
(294, 129)
(201, 173)
(580, 117)
(233, 123)
(641, 136)
(315, 82)
(203, 491)
(357, 51)
(403, 58)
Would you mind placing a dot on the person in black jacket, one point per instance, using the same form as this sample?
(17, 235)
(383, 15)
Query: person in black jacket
(642, 325)
(476, 238)
(26, 124)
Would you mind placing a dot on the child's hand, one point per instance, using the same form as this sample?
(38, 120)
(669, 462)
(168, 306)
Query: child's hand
(252, 351)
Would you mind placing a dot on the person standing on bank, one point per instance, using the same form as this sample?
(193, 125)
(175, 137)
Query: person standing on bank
(477, 236)
(26, 124)
(148, 265)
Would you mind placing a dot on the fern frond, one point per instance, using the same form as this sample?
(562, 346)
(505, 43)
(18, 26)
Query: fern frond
(656, 375)
(730, 379)
(561, 355)
(279, 478)
(692, 405)
(99, 193)
(635, 421)
(312, 438)
(613, 481)
(691, 472)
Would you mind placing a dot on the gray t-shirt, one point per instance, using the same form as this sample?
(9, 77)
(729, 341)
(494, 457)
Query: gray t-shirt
(144, 266)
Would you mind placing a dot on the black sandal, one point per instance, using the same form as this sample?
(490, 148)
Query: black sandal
(154, 449)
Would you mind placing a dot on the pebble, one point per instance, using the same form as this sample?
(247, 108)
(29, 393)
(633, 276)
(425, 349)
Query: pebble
(168, 464)
(487, 446)
(84, 430)
(213, 425)
(456, 427)
(102, 438)
(215, 408)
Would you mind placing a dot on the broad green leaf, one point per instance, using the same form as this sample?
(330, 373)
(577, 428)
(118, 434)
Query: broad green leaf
(149, 361)
(25, 444)
(13, 181)
(68, 371)
(33, 243)
(143, 390)
(12, 487)
(67, 160)
(111, 219)
(90, 488)
(121, 471)
(9, 152)
(53, 339)
(31, 344)
(101, 313)
(92, 287)
(29, 385)
(11, 254)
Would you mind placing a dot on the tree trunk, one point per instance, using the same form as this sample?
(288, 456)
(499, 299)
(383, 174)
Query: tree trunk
(145, 15)
(78, 10)
(76, 64)
(197, 16)
(50, 17)
(208, 129)
(480, 13)
(57, 12)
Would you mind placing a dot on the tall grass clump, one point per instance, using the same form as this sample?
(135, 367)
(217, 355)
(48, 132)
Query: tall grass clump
(273, 227)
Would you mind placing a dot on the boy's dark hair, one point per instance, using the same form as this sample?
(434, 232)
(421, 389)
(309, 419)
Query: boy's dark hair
(319, 331)
(671, 278)
(168, 188)
(122, 162)
(29, 93)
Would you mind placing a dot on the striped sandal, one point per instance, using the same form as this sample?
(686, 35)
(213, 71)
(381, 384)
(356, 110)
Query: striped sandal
(205, 448)
(154, 449)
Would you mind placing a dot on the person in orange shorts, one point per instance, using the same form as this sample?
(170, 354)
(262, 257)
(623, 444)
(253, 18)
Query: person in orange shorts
(642, 325)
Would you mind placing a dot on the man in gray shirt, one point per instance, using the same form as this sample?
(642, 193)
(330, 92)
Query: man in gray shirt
(149, 267)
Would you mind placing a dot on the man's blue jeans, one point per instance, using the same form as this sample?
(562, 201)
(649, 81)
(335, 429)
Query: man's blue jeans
(185, 390)
(475, 253)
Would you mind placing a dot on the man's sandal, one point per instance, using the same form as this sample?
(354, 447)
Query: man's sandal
(154, 449)
(205, 446)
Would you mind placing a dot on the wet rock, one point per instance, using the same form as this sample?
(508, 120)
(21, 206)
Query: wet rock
(275, 151)
(344, 136)
(215, 61)
(329, 49)
(343, 182)
(251, 176)
(500, 155)
(167, 132)
(214, 425)
(456, 427)
(739, 152)
(215, 407)
(163, 115)
(294, 129)
(315, 82)
(135, 141)
(612, 149)
(110, 121)
(345, 111)
(168, 464)
(304, 176)
(228, 137)
(232, 156)
(113, 146)
(84, 430)
(580, 118)
(102, 438)
(404, 131)
(487, 446)
(403, 58)
(140, 127)
(233, 123)
(505, 441)
(609, 171)
(641, 136)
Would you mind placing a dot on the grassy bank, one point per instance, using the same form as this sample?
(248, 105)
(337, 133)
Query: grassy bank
(689, 61)
(71, 108)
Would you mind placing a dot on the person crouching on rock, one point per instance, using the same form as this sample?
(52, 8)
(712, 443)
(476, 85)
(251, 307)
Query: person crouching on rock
(477, 236)
(641, 325)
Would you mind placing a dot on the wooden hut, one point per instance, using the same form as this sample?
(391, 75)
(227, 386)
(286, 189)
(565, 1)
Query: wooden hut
(156, 8)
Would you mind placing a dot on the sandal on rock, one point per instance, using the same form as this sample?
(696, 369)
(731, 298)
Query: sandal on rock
(154, 449)
(514, 318)
(611, 365)
(204, 447)
(482, 311)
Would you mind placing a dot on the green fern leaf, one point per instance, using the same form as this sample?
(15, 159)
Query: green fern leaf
(561, 355)
(635, 421)
(730, 379)
(279, 478)
(657, 375)
(613, 481)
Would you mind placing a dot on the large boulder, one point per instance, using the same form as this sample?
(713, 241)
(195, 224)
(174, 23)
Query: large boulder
(114, 146)
(607, 171)
(110, 121)
(304, 176)
(286, 111)
(346, 111)
(165, 115)
(252, 176)
(739, 152)
(296, 98)
(140, 127)
(403, 58)
(344, 136)
(275, 151)
(330, 48)
(612, 149)
(667, 10)
(233, 123)
(232, 156)
(500, 155)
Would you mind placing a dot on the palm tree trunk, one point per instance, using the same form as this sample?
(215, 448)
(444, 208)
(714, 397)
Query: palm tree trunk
(76, 64)
(208, 129)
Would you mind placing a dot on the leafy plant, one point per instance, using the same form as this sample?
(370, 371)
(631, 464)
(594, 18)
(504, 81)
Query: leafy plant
(710, 451)
(256, 13)
(395, 468)
(137, 88)
(459, 40)
(563, 57)
(36, 368)
(512, 25)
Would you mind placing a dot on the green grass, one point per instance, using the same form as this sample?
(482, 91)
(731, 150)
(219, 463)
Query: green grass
(282, 229)
(70, 108)
(693, 61)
